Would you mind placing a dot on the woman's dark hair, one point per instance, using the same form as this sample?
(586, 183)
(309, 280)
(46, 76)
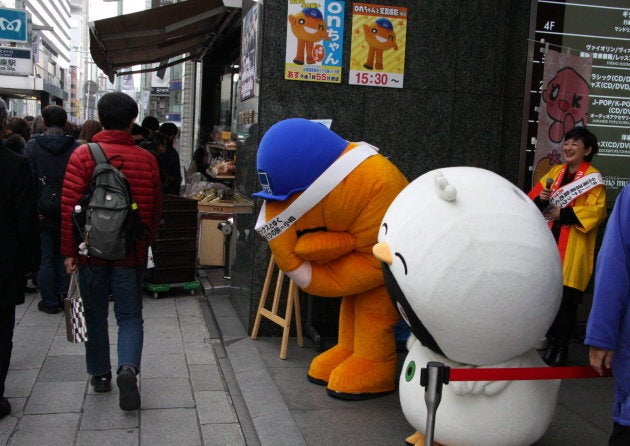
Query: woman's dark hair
(151, 123)
(20, 127)
(117, 111)
(157, 139)
(15, 142)
(587, 137)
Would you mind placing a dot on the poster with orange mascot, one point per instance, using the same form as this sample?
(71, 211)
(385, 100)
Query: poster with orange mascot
(314, 50)
(377, 52)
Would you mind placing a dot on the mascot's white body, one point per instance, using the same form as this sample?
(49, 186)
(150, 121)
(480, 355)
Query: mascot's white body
(475, 271)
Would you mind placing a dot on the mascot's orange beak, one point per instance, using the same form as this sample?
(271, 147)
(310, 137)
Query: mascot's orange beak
(381, 251)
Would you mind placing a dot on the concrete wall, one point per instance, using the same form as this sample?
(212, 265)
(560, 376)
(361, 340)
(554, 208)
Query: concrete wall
(462, 104)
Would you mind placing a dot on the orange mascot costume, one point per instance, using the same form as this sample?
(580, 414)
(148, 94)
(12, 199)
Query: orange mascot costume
(327, 249)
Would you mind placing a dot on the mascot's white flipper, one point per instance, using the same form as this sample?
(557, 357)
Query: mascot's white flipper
(474, 270)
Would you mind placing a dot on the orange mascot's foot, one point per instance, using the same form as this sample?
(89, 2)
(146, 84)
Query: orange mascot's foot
(417, 439)
(359, 378)
(322, 365)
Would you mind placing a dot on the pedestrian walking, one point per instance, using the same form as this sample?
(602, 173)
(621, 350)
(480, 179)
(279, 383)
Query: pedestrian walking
(20, 246)
(117, 112)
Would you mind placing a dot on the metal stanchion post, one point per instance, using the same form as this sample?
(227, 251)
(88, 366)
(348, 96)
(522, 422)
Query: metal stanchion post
(432, 378)
(226, 228)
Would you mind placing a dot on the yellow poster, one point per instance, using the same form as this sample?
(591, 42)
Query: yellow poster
(377, 50)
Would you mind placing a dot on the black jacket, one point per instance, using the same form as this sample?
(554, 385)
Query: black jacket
(49, 155)
(19, 231)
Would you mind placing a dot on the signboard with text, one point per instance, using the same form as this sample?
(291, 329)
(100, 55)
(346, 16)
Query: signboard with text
(15, 61)
(598, 29)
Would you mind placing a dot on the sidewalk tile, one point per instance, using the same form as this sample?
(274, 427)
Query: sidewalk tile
(206, 377)
(101, 411)
(51, 429)
(199, 353)
(110, 437)
(215, 407)
(62, 347)
(28, 357)
(19, 383)
(63, 368)
(158, 427)
(57, 397)
(25, 336)
(164, 366)
(222, 435)
(164, 393)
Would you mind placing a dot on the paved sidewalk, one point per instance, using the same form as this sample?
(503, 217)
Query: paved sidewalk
(185, 400)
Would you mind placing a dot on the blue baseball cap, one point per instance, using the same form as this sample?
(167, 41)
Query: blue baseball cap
(292, 154)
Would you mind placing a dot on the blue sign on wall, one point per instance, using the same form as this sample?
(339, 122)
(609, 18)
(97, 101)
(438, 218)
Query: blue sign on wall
(13, 25)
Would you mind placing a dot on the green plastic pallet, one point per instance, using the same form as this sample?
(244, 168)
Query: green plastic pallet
(156, 288)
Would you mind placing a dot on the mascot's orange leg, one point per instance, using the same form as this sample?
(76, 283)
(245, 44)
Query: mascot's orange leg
(379, 60)
(369, 63)
(299, 55)
(417, 439)
(371, 370)
(322, 365)
(309, 52)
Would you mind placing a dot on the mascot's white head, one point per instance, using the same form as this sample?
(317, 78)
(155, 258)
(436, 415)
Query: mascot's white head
(471, 264)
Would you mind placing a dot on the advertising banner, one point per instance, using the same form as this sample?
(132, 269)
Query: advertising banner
(249, 42)
(564, 105)
(599, 30)
(314, 41)
(379, 38)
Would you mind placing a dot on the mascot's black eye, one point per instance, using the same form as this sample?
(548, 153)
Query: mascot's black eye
(374, 31)
(301, 21)
(576, 101)
(410, 371)
(385, 227)
(402, 259)
(555, 91)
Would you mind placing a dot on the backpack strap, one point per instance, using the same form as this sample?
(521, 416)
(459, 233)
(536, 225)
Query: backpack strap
(97, 153)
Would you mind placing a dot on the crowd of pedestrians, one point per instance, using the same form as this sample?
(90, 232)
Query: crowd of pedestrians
(47, 170)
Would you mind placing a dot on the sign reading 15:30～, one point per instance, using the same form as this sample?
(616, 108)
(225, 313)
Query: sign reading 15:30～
(377, 50)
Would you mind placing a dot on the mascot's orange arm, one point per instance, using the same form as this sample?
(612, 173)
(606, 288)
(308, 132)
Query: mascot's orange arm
(351, 274)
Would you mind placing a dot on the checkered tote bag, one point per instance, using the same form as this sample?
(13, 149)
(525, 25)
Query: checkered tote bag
(76, 330)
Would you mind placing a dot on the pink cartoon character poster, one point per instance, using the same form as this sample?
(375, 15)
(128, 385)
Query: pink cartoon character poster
(565, 100)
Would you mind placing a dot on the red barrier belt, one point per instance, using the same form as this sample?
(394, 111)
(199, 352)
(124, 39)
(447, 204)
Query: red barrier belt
(525, 373)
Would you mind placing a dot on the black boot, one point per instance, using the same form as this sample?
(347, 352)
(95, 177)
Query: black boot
(558, 355)
(551, 351)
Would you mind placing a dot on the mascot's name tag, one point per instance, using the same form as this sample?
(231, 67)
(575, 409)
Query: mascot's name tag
(566, 194)
(321, 187)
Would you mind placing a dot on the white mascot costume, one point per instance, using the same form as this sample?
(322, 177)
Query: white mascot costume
(474, 270)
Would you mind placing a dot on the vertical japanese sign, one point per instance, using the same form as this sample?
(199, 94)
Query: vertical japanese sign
(564, 105)
(248, 53)
(379, 38)
(314, 41)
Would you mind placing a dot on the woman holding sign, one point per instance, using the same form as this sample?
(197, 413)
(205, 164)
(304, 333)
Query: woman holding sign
(572, 198)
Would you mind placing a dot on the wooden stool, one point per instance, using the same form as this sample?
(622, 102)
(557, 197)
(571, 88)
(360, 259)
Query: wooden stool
(293, 305)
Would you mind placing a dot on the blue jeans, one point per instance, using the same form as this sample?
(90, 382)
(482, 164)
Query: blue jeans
(52, 279)
(125, 283)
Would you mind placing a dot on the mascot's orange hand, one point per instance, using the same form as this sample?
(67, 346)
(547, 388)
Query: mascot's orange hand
(283, 246)
(322, 247)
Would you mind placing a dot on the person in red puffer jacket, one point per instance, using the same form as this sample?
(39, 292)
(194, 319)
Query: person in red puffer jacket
(117, 112)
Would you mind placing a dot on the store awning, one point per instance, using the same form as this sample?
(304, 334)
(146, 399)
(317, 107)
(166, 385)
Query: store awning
(153, 36)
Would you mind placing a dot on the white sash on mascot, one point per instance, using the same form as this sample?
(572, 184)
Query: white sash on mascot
(566, 194)
(321, 187)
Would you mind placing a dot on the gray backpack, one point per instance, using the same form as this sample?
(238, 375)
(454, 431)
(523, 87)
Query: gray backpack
(108, 219)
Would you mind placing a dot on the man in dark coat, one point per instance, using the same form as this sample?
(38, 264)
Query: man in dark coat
(19, 238)
(49, 154)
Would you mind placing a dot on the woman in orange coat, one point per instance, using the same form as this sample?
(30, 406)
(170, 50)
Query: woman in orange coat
(572, 197)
